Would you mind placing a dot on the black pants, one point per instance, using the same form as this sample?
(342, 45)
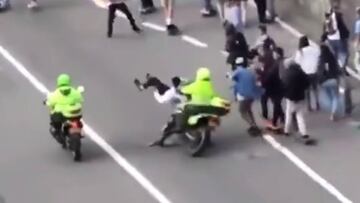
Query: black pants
(123, 8)
(175, 125)
(314, 83)
(147, 3)
(56, 121)
(261, 9)
(278, 113)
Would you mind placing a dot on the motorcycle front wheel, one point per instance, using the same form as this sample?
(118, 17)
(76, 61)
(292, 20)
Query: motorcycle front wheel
(198, 141)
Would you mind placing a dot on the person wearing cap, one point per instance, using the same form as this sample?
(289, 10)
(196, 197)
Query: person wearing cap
(64, 103)
(120, 5)
(357, 41)
(246, 91)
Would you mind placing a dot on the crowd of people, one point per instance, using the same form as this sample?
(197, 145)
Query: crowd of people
(261, 72)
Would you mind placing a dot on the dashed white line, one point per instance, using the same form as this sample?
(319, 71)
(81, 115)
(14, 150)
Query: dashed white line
(120, 160)
(194, 41)
(154, 26)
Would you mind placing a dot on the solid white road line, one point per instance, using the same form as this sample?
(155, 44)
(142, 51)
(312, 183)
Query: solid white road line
(120, 160)
(306, 169)
(194, 41)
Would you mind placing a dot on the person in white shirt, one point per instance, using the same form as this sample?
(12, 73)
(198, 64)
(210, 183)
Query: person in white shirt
(164, 94)
(308, 58)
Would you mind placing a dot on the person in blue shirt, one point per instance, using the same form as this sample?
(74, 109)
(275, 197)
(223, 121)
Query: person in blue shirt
(357, 40)
(246, 89)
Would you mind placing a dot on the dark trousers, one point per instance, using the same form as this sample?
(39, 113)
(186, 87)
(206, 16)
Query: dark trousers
(261, 9)
(112, 14)
(278, 112)
(147, 3)
(314, 82)
(175, 125)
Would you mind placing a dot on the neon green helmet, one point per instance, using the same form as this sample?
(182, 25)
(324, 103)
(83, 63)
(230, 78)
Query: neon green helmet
(63, 80)
(203, 74)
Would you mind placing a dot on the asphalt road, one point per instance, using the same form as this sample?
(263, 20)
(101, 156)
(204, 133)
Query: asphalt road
(69, 36)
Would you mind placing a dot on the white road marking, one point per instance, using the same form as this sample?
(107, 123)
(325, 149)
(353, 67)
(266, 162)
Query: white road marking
(306, 169)
(194, 41)
(154, 26)
(120, 160)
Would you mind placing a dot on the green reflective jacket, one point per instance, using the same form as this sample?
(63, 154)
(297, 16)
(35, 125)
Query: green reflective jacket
(201, 92)
(69, 105)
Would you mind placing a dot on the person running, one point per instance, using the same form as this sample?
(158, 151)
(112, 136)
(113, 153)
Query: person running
(246, 91)
(295, 82)
(357, 41)
(308, 58)
(121, 6)
(329, 74)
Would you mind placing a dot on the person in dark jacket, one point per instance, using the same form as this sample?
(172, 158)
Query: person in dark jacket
(273, 86)
(266, 59)
(121, 6)
(236, 45)
(295, 82)
(329, 73)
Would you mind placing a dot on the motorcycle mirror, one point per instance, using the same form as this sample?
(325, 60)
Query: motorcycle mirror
(81, 89)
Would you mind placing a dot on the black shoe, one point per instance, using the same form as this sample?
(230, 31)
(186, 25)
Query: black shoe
(307, 140)
(136, 29)
(254, 131)
(172, 30)
(157, 143)
(109, 35)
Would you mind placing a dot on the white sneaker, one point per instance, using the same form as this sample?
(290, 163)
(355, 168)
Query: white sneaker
(204, 11)
(32, 4)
